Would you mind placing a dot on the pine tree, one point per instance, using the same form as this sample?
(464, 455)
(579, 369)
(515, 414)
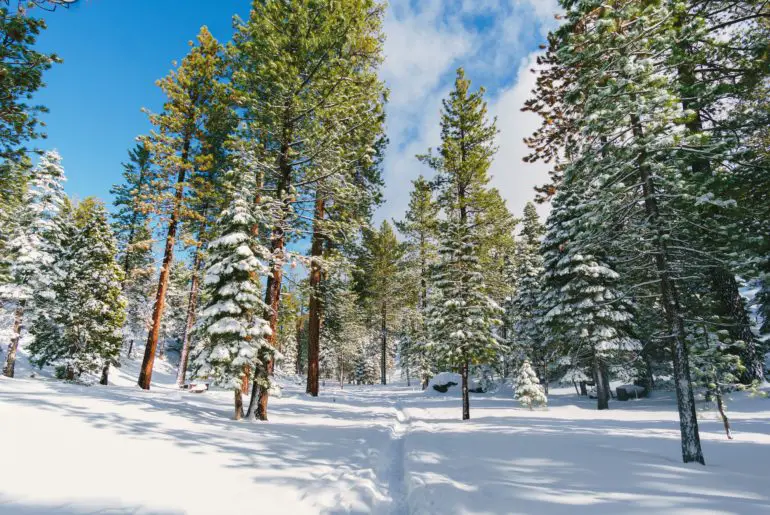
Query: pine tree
(528, 390)
(314, 109)
(30, 250)
(420, 231)
(131, 225)
(194, 93)
(463, 318)
(78, 328)
(234, 335)
(22, 75)
(629, 118)
(378, 283)
(585, 312)
(526, 307)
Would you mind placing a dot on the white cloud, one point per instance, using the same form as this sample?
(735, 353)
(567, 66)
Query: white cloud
(426, 41)
(514, 178)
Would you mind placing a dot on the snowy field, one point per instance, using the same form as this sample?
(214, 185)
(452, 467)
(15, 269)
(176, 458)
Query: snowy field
(384, 450)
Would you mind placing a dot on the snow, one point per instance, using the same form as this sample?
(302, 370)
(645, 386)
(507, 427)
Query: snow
(364, 449)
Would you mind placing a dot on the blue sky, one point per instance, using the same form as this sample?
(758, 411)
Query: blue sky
(115, 50)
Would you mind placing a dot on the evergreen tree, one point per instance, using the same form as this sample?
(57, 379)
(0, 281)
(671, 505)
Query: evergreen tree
(526, 308)
(420, 231)
(529, 392)
(314, 108)
(22, 75)
(629, 118)
(463, 318)
(78, 328)
(194, 94)
(31, 248)
(234, 335)
(378, 283)
(132, 228)
(585, 311)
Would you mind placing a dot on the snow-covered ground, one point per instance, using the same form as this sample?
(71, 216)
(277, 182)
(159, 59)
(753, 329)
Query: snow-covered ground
(389, 450)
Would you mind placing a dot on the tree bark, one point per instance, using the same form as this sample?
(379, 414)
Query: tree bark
(145, 376)
(688, 421)
(314, 307)
(602, 395)
(298, 329)
(251, 412)
(264, 396)
(238, 404)
(384, 345)
(721, 408)
(13, 346)
(192, 304)
(466, 396)
(105, 380)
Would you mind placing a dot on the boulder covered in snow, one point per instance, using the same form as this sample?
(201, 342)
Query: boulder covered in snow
(630, 391)
(449, 382)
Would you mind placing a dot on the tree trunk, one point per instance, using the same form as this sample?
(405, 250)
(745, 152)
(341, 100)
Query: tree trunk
(602, 396)
(130, 348)
(145, 376)
(13, 346)
(721, 408)
(192, 304)
(264, 395)
(314, 323)
(688, 421)
(252, 411)
(298, 364)
(466, 397)
(105, 380)
(408, 382)
(238, 404)
(384, 345)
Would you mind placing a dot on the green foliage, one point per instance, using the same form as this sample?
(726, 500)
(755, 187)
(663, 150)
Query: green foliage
(21, 75)
(79, 326)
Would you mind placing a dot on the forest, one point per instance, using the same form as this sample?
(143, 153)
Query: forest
(243, 248)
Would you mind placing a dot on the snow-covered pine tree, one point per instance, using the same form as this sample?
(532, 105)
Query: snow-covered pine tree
(343, 331)
(526, 308)
(420, 231)
(529, 391)
(29, 253)
(233, 333)
(627, 135)
(586, 313)
(78, 329)
(464, 317)
(132, 227)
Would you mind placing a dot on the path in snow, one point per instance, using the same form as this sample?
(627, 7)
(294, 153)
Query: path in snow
(384, 450)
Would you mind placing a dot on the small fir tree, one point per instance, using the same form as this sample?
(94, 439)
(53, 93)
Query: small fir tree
(529, 392)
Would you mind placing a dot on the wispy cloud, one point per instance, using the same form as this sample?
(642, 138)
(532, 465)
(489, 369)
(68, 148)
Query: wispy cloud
(495, 41)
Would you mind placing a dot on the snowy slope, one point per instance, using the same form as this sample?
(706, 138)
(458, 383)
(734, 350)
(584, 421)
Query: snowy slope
(384, 450)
